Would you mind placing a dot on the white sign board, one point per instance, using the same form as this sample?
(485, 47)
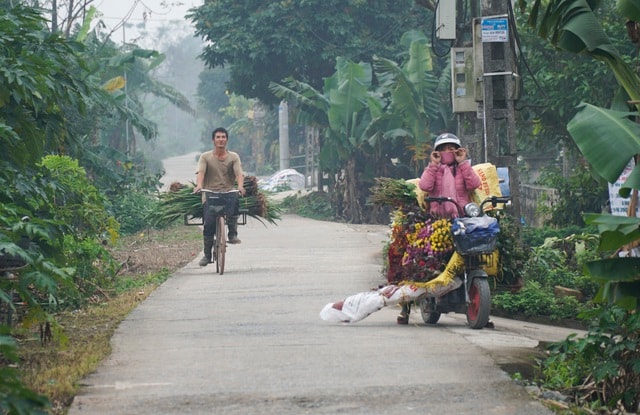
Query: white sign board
(620, 205)
(495, 30)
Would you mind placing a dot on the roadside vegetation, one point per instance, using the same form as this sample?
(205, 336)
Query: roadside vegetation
(80, 339)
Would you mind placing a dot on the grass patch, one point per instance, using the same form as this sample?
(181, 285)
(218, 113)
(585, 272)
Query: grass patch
(55, 369)
(81, 338)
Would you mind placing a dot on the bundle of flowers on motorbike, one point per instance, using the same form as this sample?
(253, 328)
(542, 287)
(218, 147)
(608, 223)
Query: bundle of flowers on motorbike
(419, 246)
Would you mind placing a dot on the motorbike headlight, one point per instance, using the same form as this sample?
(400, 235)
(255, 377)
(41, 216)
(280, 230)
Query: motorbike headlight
(472, 210)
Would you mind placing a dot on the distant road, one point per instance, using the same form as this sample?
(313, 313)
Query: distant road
(179, 169)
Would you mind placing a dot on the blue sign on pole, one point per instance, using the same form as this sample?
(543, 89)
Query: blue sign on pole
(495, 30)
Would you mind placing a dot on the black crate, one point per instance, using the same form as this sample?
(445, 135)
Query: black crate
(223, 203)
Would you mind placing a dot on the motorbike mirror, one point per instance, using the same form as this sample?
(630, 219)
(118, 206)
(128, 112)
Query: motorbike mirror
(472, 210)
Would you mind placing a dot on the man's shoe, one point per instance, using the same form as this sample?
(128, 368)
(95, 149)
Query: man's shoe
(204, 261)
(235, 240)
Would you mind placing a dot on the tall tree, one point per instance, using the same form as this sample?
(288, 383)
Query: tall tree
(268, 41)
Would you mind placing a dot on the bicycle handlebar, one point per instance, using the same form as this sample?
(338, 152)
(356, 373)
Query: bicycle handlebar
(213, 191)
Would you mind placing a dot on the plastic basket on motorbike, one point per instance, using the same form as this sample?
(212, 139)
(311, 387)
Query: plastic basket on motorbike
(475, 235)
(223, 203)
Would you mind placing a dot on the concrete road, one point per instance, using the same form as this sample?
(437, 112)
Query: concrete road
(251, 341)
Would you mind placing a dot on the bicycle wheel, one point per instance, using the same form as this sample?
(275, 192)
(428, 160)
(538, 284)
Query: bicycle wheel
(221, 244)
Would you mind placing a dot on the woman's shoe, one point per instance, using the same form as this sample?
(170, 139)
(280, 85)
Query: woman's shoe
(403, 319)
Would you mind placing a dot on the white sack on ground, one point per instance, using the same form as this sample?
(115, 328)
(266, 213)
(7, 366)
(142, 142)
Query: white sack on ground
(358, 306)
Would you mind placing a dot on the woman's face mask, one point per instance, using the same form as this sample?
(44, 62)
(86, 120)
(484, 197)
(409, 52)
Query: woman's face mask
(447, 157)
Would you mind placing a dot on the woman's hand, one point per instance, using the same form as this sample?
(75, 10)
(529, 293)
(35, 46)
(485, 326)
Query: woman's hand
(435, 157)
(460, 155)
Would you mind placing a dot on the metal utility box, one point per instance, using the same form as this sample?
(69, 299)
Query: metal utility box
(446, 20)
(463, 80)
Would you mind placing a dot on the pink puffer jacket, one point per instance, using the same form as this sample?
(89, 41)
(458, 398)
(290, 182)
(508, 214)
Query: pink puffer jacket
(466, 180)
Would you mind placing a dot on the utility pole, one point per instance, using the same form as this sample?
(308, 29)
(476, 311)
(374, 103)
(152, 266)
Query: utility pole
(485, 82)
(283, 123)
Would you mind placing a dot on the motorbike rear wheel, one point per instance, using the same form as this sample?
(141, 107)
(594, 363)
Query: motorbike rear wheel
(479, 303)
(429, 317)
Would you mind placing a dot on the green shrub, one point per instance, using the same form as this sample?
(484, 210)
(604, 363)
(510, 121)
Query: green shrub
(531, 300)
(315, 205)
(579, 193)
(513, 253)
(75, 201)
(132, 209)
(535, 300)
(94, 267)
(603, 366)
(537, 236)
(560, 261)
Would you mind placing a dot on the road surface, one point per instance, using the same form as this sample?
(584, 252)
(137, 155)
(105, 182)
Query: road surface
(251, 341)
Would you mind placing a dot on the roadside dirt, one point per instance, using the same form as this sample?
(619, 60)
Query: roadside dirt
(155, 250)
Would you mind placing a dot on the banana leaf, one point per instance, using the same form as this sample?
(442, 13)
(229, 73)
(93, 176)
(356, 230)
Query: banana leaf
(608, 139)
(615, 231)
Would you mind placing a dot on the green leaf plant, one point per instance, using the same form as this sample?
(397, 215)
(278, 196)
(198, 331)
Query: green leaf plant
(608, 139)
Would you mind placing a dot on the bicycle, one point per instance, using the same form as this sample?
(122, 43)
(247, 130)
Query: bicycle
(224, 205)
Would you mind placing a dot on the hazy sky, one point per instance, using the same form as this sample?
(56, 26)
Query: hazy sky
(158, 12)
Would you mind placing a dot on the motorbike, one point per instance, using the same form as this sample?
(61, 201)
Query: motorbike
(473, 296)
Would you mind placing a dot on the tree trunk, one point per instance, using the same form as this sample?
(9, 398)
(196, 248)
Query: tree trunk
(353, 210)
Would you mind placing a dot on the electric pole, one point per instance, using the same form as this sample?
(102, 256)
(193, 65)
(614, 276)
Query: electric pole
(484, 81)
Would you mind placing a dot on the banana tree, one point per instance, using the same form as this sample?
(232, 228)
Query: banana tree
(608, 139)
(344, 110)
(415, 101)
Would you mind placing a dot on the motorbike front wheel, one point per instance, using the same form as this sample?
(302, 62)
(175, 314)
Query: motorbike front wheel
(429, 317)
(479, 303)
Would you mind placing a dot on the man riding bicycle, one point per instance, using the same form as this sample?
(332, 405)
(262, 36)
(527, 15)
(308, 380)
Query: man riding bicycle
(218, 170)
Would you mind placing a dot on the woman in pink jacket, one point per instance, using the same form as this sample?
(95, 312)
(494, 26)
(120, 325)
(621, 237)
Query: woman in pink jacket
(449, 174)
